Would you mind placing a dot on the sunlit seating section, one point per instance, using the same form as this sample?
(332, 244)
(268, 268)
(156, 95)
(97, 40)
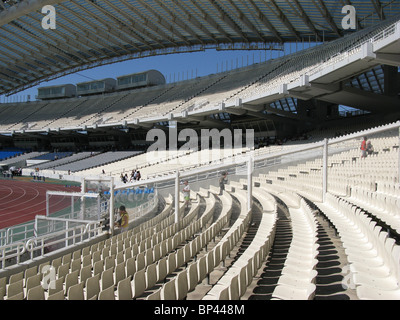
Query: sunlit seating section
(85, 273)
(138, 160)
(128, 265)
(297, 281)
(160, 163)
(234, 282)
(363, 205)
(372, 254)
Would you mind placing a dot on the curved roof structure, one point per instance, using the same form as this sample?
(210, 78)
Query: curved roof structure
(359, 70)
(89, 33)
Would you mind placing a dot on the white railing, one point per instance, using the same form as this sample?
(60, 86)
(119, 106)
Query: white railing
(25, 231)
(341, 56)
(58, 233)
(386, 33)
(290, 72)
(144, 208)
(11, 251)
(62, 239)
(15, 234)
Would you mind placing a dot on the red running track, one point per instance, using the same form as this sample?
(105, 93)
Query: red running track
(21, 201)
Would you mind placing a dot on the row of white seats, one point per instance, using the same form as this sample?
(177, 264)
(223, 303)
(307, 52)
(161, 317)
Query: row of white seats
(297, 281)
(153, 256)
(145, 276)
(153, 265)
(186, 281)
(232, 236)
(139, 161)
(298, 275)
(65, 161)
(383, 206)
(87, 257)
(95, 161)
(95, 255)
(234, 282)
(373, 256)
(311, 189)
(389, 188)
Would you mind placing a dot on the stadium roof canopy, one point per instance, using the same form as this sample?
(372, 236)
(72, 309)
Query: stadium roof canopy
(90, 33)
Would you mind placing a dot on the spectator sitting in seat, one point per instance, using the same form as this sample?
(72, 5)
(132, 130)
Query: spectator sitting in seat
(370, 148)
(123, 222)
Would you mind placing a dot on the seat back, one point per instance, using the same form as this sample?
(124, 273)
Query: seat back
(75, 292)
(193, 278)
(168, 291)
(162, 269)
(35, 293)
(182, 286)
(124, 289)
(119, 272)
(59, 295)
(15, 288)
(156, 295)
(107, 279)
(56, 286)
(151, 275)
(107, 294)
(202, 268)
(71, 279)
(138, 283)
(32, 282)
(92, 286)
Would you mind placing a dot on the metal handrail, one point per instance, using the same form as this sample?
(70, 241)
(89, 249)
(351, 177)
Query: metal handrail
(14, 250)
(41, 242)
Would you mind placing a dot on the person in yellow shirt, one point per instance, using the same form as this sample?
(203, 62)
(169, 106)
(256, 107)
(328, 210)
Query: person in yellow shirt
(123, 222)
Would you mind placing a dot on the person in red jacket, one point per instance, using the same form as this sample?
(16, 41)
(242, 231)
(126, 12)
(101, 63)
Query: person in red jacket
(364, 148)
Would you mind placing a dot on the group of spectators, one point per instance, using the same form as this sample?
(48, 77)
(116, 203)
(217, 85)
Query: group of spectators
(12, 172)
(366, 148)
(135, 176)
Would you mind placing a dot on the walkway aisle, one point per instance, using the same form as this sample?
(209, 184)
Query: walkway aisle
(332, 281)
(265, 281)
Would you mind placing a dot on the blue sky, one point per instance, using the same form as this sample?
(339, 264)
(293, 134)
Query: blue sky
(173, 67)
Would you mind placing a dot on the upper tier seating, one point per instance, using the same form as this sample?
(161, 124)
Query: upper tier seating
(245, 83)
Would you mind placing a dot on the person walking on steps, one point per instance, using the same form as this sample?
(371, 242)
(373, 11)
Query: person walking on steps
(186, 193)
(222, 181)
